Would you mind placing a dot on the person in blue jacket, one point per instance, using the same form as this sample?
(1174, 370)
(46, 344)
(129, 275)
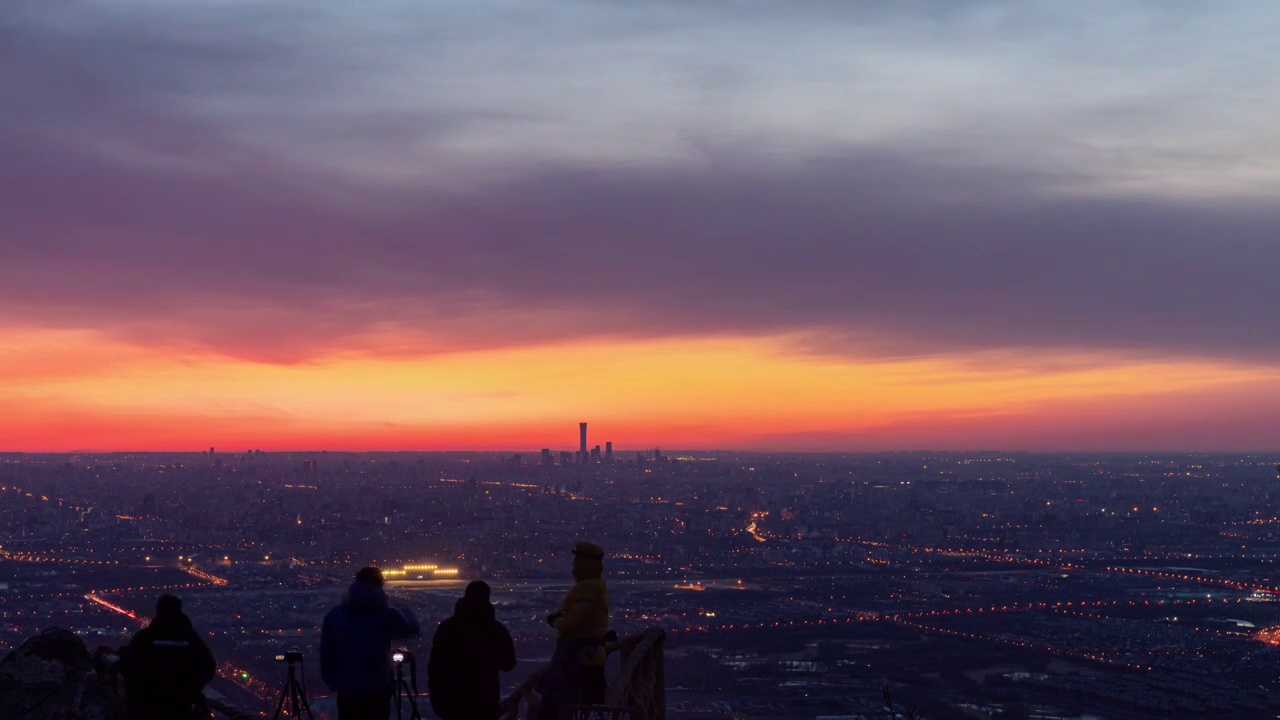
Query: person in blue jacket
(355, 648)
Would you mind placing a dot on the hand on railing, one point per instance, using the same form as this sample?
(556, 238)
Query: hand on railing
(526, 694)
(611, 644)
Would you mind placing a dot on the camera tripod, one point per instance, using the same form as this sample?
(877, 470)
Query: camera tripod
(295, 693)
(407, 687)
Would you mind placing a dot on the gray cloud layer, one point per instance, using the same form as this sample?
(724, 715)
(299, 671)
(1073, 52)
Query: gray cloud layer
(272, 178)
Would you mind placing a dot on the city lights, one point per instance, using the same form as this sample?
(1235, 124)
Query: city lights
(799, 574)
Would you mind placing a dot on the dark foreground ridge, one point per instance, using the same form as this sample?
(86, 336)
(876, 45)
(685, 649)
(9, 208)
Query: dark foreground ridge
(53, 675)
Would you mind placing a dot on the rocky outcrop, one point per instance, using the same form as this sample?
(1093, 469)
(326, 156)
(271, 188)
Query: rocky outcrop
(52, 676)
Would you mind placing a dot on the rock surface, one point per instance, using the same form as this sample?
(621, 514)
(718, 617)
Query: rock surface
(51, 677)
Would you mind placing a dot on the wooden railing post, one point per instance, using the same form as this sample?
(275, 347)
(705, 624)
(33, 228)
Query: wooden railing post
(639, 684)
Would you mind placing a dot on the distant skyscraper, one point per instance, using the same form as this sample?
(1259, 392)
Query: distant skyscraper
(582, 442)
(546, 457)
(595, 454)
(608, 451)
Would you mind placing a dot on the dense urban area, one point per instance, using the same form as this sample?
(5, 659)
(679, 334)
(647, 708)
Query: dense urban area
(967, 585)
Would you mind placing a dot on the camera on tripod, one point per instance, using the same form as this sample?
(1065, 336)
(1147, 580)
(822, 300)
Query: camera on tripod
(406, 687)
(293, 696)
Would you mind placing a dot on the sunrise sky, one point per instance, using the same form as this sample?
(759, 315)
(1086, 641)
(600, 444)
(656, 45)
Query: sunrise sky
(747, 224)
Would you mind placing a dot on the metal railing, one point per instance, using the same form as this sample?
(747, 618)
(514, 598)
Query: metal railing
(639, 683)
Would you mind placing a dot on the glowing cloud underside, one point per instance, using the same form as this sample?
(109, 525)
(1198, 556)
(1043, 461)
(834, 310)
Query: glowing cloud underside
(748, 393)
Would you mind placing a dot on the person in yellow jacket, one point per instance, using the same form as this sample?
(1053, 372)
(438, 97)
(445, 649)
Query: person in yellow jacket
(576, 675)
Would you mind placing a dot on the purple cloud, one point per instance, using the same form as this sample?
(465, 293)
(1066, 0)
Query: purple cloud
(207, 175)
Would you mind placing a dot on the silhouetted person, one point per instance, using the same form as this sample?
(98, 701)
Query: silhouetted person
(165, 666)
(468, 652)
(576, 675)
(355, 648)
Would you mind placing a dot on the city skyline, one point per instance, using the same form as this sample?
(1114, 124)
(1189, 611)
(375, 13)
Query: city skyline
(842, 227)
(780, 586)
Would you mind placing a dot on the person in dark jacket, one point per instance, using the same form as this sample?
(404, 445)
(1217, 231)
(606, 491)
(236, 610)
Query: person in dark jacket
(165, 666)
(467, 653)
(355, 648)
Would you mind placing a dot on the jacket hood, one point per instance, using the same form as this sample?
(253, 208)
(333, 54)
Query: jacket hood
(365, 597)
(472, 610)
(171, 621)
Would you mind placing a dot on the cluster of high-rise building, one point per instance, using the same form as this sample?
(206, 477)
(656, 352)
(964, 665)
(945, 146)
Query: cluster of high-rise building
(584, 455)
(587, 455)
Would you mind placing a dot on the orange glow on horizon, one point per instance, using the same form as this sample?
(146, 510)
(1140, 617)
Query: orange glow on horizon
(750, 393)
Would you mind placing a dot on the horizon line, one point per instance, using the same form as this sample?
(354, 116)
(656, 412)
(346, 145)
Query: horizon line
(508, 451)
